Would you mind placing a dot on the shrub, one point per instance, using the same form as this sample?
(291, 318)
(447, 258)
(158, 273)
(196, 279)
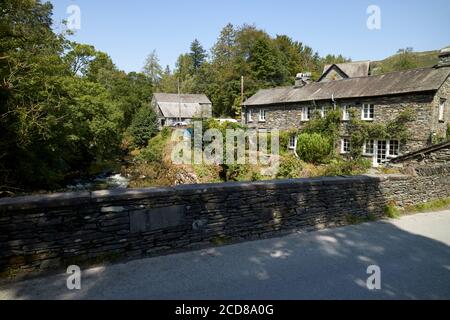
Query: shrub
(340, 167)
(314, 147)
(290, 168)
(154, 152)
(143, 127)
(236, 172)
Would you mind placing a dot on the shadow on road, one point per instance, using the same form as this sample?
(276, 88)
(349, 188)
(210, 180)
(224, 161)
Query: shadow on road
(330, 264)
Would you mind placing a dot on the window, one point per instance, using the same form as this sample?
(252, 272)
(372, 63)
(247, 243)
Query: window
(249, 116)
(346, 112)
(369, 147)
(394, 148)
(323, 111)
(306, 113)
(345, 146)
(382, 152)
(368, 111)
(292, 142)
(262, 115)
(441, 109)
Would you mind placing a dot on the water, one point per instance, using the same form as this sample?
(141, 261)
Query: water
(101, 182)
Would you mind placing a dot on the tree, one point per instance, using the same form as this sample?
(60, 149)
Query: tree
(152, 68)
(267, 65)
(168, 82)
(144, 126)
(80, 57)
(223, 50)
(197, 54)
(56, 118)
(132, 91)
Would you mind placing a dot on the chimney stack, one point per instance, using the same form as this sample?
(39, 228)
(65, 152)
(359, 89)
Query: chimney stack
(444, 58)
(302, 79)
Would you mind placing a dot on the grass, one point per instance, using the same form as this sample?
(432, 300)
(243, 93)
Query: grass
(430, 206)
(394, 212)
(9, 273)
(389, 170)
(355, 219)
(221, 240)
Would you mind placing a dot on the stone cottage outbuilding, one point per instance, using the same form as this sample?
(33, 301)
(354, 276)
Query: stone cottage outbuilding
(180, 108)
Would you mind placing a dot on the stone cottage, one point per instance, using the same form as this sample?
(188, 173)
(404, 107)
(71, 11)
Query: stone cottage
(180, 108)
(376, 99)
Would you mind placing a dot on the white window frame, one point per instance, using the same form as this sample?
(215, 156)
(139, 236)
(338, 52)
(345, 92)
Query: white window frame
(388, 151)
(293, 139)
(343, 143)
(365, 153)
(306, 113)
(389, 143)
(442, 109)
(345, 112)
(249, 116)
(363, 111)
(262, 115)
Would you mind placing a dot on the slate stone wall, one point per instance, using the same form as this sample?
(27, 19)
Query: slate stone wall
(434, 158)
(54, 231)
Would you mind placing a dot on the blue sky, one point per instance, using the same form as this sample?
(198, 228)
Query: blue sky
(129, 30)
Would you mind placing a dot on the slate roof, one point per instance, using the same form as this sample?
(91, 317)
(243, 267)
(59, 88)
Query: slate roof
(416, 80)
(185, 98)
(183, 106)
(351, 69)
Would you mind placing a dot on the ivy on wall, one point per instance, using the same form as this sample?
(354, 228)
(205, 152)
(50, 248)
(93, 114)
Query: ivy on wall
(361, 131)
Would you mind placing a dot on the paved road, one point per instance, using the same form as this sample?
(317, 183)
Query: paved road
(413, 253)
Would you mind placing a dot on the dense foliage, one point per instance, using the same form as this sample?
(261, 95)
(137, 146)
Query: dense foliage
(361, 131)
(63, 105)
(143, 127)
(314, 147)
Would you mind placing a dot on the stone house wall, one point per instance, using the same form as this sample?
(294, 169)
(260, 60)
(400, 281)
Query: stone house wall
(332, 75)
(288, 116)
(42, 232)
(440, 127)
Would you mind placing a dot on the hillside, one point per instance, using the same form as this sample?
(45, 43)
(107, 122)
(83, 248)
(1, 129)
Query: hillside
(405, 59)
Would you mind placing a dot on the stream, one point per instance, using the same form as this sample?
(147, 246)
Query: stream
(105, 180)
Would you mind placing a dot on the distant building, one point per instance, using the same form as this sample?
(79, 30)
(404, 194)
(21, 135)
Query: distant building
(377, 99)
(172, 109)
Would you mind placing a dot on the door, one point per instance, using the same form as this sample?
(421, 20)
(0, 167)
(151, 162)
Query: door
(380, 156)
